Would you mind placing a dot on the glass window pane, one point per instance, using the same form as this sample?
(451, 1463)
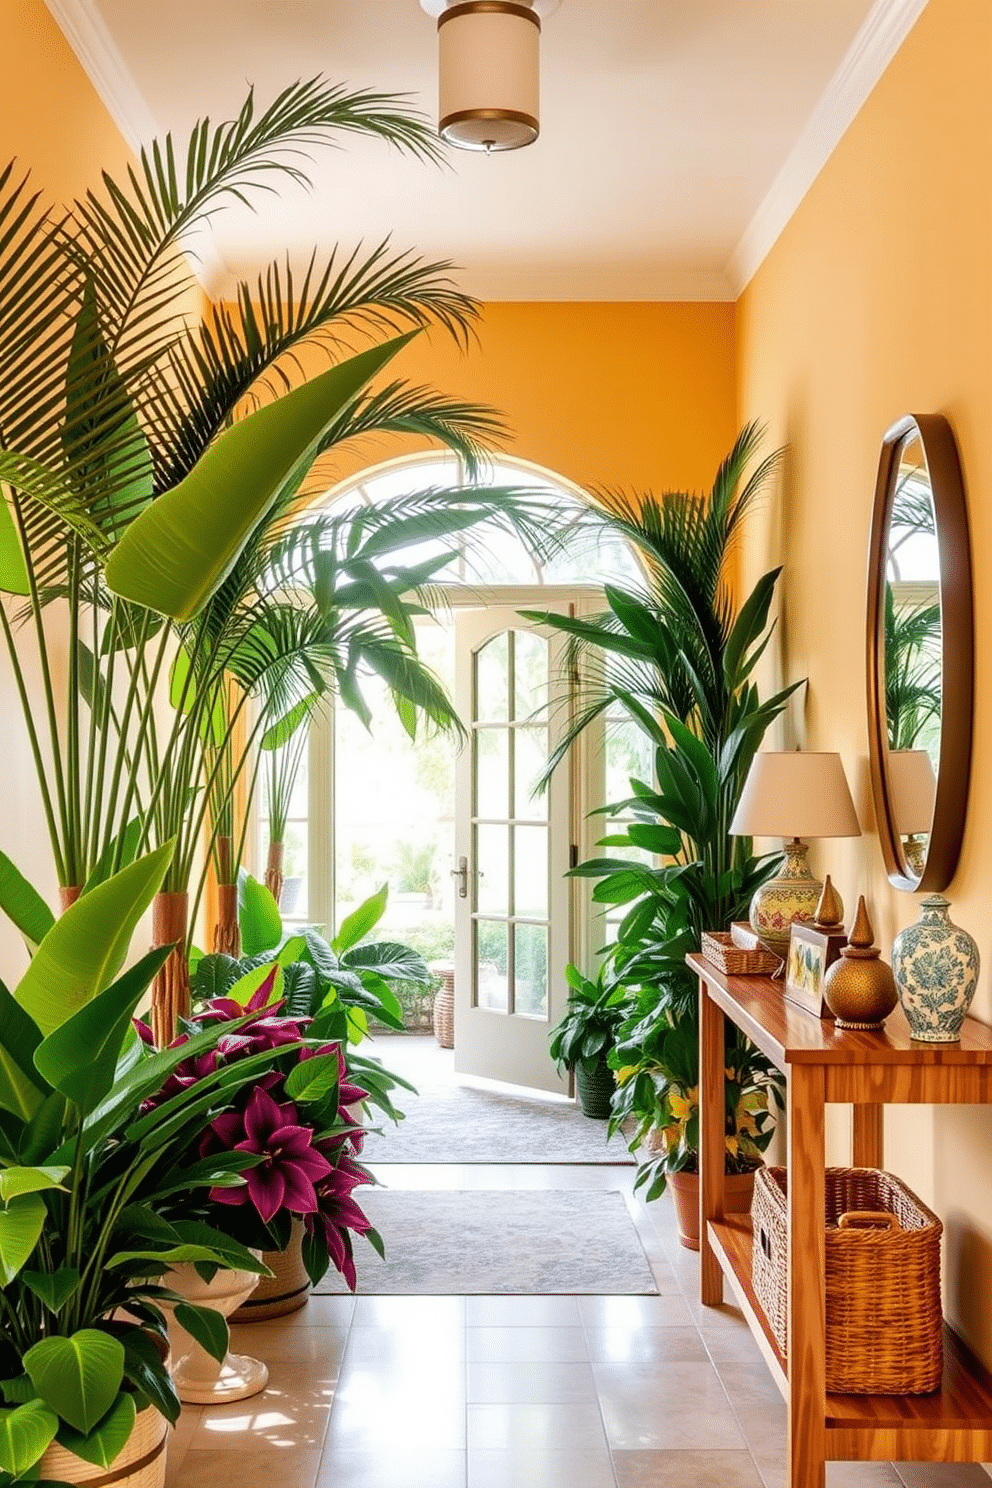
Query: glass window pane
(295, 898)
(530, 680)
(492, 777)
(530, 872)
(299, 800)
(492, 862)
(491, 673)
(628, 752)
(491, 956)
(530, 970)
(531, 746)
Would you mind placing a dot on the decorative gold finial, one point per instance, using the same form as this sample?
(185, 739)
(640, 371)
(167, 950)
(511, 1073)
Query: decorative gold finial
(830, 910)
(859, 988)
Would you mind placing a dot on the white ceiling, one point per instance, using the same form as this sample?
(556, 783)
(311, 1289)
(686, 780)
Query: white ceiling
(676, 135)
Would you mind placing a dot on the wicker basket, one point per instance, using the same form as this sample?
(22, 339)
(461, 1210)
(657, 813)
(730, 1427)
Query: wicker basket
(718, 947)
(140, 1463)
(285, 1291)
(883, 1280)
(444, 1005)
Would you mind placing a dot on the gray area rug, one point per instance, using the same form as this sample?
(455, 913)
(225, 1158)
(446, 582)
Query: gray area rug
(472, 1242)
(457, 1124)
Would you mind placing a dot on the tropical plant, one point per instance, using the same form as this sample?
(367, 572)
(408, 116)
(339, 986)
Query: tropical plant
(342, 982)
(295, 1120)
(677, 655)
(85, 1179)
(912, 671)
(587, 1032)
(149, 467)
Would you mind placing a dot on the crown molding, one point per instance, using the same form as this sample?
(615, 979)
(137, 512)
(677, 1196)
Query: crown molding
(84, 29)
(885, 28)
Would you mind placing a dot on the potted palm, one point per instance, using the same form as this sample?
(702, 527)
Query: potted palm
(677, 655)
(585, 1037)
(86, 1178)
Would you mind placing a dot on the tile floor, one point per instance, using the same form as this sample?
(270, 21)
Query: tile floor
(513, 1392)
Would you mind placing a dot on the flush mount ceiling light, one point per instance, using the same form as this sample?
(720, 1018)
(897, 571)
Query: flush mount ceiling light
(488, 71)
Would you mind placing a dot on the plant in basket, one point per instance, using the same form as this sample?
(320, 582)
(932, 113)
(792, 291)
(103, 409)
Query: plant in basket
(86, 1178)
(294, 1122)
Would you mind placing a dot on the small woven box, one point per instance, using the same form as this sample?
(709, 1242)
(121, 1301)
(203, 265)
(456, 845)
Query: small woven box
(718, 947)
(883, 1279)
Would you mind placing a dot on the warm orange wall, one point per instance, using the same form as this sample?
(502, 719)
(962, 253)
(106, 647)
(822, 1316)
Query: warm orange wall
(53, 122)
(635, 395)
(876, 301)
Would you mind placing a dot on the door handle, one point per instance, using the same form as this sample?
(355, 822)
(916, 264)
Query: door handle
(461, 873)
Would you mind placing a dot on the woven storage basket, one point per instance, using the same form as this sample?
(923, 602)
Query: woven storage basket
(718, 948)
(140, 1464)
(444, 1008)
(883, 1280)
(285, 1291)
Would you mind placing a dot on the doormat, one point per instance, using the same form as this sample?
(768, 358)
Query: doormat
(459, 1124)
(481, 1242)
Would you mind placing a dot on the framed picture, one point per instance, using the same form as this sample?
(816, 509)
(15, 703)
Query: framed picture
(811, 951)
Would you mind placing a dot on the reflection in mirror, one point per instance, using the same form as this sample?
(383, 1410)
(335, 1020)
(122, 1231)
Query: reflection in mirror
(912, 646)
(920, 653)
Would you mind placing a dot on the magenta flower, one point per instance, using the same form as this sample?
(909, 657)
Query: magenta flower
(291, 1167)
(337, 1213)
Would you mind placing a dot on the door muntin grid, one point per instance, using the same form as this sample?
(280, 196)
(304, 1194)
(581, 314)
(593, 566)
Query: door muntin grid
(511, 888)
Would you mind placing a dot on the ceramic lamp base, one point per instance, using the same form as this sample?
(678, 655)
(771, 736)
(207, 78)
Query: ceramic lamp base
(792, 896)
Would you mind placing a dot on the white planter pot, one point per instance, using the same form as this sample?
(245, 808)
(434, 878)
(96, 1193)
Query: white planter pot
(198, 1378)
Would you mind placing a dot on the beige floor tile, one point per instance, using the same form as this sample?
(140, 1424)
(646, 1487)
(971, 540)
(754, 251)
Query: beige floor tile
(378, 1408)
(530, 1427)
(279, 1341)
(492, 1468)
(645, 1345)
(940, 1475)
(291, 1412)
(334, 1312)
(541, 1384)
(748, 1387)
(866, 1475)
(635, 1312)
(526, 1345)
(702, 1469)
(678, 1407)
(730, 1345)
(432, 1347)
(409, 1312)
(391, 1468)
(180, 1437)
(522, 1312)
(273, 1467)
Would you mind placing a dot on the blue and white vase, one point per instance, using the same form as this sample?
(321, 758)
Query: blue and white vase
(936, 970)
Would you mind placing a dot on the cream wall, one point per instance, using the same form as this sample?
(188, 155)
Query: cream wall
(876, 301)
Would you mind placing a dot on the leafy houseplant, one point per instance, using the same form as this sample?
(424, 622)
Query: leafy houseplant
(677, 655)
(584, 1038)
(85, 1179)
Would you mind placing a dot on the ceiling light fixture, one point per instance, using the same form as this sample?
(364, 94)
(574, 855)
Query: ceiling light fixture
(488, 71)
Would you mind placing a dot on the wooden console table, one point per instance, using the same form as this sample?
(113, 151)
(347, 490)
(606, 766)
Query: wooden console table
(866, 1070)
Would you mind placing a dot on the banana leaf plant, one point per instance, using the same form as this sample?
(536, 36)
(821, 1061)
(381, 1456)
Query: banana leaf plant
(88, 1172)
(140, 454)
(339, 983)
(677, 655)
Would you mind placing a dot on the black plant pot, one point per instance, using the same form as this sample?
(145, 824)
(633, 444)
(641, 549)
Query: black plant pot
(595, 1086)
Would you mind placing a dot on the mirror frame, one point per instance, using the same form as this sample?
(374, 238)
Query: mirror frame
(957, 651)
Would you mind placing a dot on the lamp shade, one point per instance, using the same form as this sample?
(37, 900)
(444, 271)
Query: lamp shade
(796, 795)
(912, 790)
(488, 74)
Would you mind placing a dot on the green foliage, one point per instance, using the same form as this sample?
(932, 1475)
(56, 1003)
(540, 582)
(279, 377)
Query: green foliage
(587, 1033)
(677, 656)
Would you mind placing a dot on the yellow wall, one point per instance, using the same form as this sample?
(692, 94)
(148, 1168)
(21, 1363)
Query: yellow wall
(876, 301)
(52, 121)
(635, 395)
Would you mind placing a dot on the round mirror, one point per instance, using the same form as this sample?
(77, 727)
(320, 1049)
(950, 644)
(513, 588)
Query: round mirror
(920, 644)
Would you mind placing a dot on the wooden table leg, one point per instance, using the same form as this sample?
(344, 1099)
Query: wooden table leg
(807, 1307)
(868, 1140)
(712, 1138)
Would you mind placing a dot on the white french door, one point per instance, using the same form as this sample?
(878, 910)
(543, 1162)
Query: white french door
(513, 930)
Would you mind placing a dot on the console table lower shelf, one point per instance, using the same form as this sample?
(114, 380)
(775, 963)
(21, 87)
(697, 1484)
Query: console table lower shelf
(952, 1425)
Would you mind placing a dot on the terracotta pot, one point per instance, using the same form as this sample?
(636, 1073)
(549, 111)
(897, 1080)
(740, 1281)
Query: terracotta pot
(140, 1464)
(738, 1191)
(285, 1291)
(197, 1376)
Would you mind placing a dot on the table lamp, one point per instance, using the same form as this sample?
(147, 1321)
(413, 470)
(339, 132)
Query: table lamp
(794, 796)
(912, 794)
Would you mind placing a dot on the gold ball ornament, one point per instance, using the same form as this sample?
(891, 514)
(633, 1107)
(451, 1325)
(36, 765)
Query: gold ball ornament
(859, 988)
